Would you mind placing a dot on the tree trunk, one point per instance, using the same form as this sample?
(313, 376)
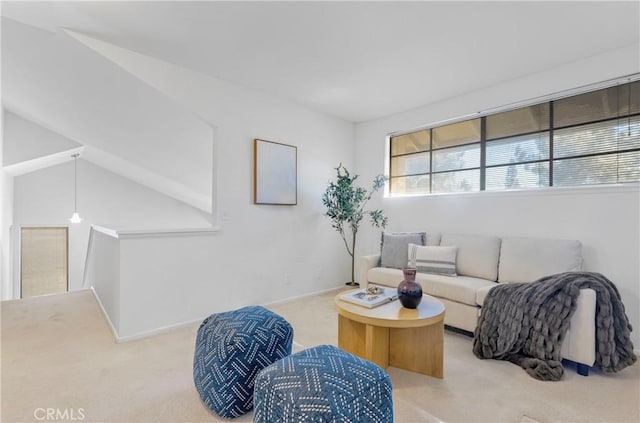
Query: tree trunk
(353, 258)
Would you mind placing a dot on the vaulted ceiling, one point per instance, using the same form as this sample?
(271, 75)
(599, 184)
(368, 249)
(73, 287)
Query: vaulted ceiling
(353, 60)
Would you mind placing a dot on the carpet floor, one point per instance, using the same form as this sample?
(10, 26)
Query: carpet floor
(59, 357)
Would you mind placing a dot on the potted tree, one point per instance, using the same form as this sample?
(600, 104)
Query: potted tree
(345, 203)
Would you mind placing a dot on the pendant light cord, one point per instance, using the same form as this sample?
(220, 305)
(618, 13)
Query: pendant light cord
(75, 184)
(75, 218)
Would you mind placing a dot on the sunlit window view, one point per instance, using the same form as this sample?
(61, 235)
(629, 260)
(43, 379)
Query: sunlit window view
(586, 139)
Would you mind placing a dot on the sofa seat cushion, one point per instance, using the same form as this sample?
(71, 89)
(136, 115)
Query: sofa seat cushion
(481, 294)
(460, 288)
(385, 276)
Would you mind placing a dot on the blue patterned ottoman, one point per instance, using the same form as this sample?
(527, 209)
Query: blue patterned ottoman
(231, 348)
(323, 384)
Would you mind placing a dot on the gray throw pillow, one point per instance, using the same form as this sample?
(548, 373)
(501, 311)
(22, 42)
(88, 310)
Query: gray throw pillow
(395, 247)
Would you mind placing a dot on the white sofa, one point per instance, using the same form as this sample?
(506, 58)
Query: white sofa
(484, 261)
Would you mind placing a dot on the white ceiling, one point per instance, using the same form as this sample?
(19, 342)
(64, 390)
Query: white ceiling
(354, 60)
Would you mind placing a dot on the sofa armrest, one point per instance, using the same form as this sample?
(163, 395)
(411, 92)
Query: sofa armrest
(367, 263)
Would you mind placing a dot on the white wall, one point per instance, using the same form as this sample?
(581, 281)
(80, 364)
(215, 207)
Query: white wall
(60, 84)
(26, 140)
(6, 252)
(6, 219)
(104, 275)
(135, 275)
(262, 253)
(606, 220)
(45, 197)
(272, 252)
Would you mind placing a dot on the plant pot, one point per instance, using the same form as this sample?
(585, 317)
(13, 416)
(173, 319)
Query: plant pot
(409, 291)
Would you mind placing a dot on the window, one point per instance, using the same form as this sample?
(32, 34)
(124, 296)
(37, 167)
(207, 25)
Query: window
(586, 139)
(43, 261)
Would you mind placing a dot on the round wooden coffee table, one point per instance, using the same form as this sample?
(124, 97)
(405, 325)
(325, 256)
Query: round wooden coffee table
(391, 335)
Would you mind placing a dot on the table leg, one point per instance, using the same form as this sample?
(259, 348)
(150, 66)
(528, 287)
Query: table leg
(377, 345)
(365, 341)
(419, 350)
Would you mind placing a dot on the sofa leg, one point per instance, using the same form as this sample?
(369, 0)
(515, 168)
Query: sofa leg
(583, 369)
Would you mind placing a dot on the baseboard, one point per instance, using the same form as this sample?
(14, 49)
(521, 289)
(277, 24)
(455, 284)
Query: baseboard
(104, 313)
(164, 329)
(158, 331)
(459, 331)
(298, 297)
(119, 339)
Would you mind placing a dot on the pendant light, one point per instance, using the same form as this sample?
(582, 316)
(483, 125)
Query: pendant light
(75, 218)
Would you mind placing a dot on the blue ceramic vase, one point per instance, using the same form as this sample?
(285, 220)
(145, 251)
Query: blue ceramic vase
(409, 291)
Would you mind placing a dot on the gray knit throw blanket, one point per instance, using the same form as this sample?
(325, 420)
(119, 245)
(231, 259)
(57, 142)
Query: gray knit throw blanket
(526, 323)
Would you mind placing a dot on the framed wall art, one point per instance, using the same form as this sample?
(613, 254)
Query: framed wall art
(275, 173)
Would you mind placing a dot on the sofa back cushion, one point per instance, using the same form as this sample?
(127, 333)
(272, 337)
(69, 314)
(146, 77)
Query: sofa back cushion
(477, 254)
(528, 259)
(433, 238)
(394, 251)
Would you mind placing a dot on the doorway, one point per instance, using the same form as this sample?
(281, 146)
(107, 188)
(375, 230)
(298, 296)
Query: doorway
(44, 262)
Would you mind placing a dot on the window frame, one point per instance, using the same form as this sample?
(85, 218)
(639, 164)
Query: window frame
(548, 99)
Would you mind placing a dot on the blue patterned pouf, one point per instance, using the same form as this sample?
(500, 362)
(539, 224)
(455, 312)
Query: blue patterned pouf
(323, 384)
(231, 348)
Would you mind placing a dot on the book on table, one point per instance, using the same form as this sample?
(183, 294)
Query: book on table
(371, 298)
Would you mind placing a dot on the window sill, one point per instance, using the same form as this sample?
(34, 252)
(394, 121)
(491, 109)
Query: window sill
(633, 187)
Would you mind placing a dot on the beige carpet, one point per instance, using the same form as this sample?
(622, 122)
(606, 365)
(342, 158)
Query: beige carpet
(58, 353)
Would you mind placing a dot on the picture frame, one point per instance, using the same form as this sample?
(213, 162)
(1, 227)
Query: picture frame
(275, 173)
